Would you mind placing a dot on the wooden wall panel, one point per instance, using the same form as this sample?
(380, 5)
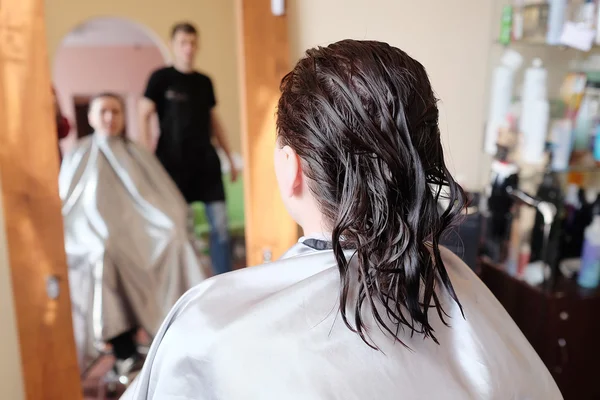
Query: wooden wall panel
(265, 60)
(29, 174)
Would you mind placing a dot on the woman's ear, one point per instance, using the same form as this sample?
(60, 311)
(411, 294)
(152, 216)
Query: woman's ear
(289, 171)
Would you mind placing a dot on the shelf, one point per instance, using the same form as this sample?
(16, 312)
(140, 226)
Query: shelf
(577, 169)
(580, 169)
(542, 43)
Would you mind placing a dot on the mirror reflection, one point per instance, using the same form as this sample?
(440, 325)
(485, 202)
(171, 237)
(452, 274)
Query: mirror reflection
(150, 182)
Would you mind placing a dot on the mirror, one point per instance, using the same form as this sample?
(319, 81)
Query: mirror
(149, 193)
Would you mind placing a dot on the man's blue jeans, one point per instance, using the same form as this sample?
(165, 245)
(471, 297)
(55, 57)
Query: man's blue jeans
(220, 243)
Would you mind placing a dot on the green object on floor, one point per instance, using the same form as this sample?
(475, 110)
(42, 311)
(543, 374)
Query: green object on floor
(234, 195)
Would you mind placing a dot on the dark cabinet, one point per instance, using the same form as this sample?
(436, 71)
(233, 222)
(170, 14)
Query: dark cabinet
(562, 324)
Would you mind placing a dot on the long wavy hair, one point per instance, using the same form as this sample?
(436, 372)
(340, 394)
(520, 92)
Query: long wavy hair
(363, 118)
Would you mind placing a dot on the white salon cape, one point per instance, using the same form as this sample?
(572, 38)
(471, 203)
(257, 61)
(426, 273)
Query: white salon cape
(274, 333)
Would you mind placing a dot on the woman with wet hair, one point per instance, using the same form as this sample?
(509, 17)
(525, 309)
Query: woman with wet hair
(367, 305)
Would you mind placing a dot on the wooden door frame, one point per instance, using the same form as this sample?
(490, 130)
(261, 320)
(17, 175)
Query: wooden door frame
(264, 60)
(29, 163)
(29, 168)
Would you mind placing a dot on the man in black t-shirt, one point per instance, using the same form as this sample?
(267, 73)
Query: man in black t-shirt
(184, 100)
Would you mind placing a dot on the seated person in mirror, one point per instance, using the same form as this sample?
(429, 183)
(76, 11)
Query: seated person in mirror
(367, 305)
(128, 245)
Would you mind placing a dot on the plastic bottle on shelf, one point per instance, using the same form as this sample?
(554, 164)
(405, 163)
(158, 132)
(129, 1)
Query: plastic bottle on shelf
(569, 246)
(549, 190)
(589, 274)
(517, 20)
(535, 113)
(597, 145)
(506, 25)
(597, 40)
(585, 122)
(562, 140)
(534, 84)
(587, 13)
(501, 97)
(556, 19)
(572, 202)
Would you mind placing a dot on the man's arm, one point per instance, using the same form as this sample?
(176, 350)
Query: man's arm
(146, 109)
(219, 134)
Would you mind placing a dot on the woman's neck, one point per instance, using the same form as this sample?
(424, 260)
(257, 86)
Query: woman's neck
(316, 230)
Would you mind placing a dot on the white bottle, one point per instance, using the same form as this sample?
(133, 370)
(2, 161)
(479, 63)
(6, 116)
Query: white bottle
(501, 97)
(536, 131)
(556, 19)
(535, 114)
(597, 25)
(517, 24)
(587, 13)
(562, 139)
(589, 274)
(534, 85)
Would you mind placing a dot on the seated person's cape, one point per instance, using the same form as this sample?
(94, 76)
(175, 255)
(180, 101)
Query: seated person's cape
(129, 251)
(274, 332)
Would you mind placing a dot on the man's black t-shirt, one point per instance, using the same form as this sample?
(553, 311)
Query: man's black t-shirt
(183, 103)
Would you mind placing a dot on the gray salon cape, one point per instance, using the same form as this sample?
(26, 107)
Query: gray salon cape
(274, 333)
(127, 241)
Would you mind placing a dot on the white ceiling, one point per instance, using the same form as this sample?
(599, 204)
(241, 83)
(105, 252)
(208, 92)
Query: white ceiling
(108, 31)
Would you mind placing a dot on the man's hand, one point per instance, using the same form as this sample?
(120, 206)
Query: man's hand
(146, 108)
(219, 135)
(233, 174)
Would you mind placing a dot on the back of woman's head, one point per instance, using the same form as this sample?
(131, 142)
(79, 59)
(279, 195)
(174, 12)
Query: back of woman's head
(362, 117)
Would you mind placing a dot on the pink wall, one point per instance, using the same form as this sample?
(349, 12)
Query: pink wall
(81, 71)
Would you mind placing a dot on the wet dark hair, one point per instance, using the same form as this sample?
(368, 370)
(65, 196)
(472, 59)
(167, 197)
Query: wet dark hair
(184, 27)
(363, 118)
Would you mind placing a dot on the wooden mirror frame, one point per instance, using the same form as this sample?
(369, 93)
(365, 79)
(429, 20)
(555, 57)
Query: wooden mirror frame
(29, 165)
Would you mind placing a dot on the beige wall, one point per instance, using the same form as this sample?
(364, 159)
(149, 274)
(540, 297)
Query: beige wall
(11, 378)
(80, 70)
(451, 38)
(214, 18)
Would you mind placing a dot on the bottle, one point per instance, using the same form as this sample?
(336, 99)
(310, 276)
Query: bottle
(499, 204)
(585, 123)
(589, 274)
(572, 203)
(556, 19)
(534, 85)
(517, 20)
(569, 249)
(524, 256)
(535, 131)
(562, 144)
(587, 14)
(535, 113)
(597, 145)
(597, 41)
(548, 191)
(501, 96)
(506, 25)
